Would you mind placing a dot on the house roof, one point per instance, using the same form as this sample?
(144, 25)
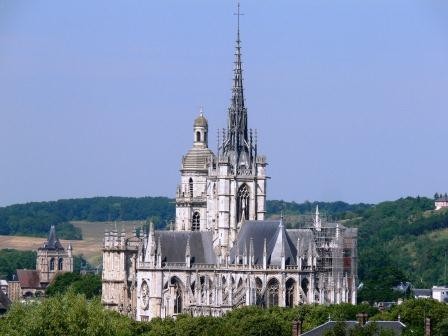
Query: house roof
(28, 278)
(422, 292)
(395, 326)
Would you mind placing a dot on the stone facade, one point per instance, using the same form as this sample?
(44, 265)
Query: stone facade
(222, 253)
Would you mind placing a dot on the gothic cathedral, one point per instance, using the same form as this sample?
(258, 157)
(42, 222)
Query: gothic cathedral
(223, 253)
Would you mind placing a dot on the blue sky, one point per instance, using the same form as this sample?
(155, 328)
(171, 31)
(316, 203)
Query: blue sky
(98, 97)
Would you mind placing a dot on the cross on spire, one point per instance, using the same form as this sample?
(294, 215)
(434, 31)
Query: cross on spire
(238, 14)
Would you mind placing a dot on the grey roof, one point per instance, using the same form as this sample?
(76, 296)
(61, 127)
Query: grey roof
(422, 292)
(320, 330)
(174, 244)
(196, 159)
(53, 242)
(396, 326)
(277, 239)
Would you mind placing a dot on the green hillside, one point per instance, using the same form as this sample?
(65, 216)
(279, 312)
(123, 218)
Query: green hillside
(402, 240)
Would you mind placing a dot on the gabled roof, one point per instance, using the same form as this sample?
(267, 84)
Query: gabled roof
(278, 240)
(174, 245)
(395, 326)
(28, 278)
(53, 242)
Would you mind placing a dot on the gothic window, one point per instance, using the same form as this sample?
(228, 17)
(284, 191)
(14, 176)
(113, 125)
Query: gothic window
(272, 291)
(190, 187)
(60, 264)
(196, 222)
(290, 291)
(304, 284)
(243, 203)
(259, 288)
(177, 291)
(52, 264)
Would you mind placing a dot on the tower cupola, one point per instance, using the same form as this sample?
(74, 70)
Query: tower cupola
(200, 129)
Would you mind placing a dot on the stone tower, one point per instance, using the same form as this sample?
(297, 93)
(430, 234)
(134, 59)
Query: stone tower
(191, 195)
(119, 271)
(52, 258)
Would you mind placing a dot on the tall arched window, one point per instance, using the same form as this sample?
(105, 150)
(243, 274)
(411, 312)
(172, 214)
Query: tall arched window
(259, 289)
(52, 264)
(177, 295)
(290, 293)
(198, 136)
(304, 285)
(243, 197)
(272, 293)
(60, 264)
(196, 222)
(190, 187)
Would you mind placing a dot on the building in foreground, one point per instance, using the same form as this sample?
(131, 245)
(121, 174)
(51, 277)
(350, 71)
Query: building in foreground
(222, 253)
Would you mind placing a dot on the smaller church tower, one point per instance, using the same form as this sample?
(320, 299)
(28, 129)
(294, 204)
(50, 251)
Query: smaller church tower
(191, 195)
(52, 258)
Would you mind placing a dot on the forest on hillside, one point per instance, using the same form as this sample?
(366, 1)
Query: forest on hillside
(35, 219)
(398, 241)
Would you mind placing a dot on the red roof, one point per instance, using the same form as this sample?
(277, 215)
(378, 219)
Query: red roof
(28, 278)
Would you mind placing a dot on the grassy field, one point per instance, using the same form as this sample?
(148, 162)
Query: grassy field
(89, 247)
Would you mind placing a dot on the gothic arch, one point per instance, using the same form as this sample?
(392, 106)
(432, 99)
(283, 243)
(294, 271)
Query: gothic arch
(260, 298)
(177, 294)
(60, 264)
(243, 202)
(272, 293)
(305, 285)
(52, 264)
(290, 294)
(196, 221)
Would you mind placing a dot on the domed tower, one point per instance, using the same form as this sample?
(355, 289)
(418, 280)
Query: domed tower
(191, 195)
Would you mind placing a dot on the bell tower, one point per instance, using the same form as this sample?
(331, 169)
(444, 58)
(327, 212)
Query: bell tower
(191, 195)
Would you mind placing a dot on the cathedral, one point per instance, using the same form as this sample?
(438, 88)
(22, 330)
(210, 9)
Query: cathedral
(221, 252)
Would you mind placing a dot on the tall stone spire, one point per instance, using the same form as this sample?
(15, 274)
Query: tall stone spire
(237, 144)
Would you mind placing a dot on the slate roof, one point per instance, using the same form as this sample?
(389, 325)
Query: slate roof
(28, 278)
(396, 326)
(422, 292)
(53, 242)
(4, 302)
(277, 238)
(174, 244)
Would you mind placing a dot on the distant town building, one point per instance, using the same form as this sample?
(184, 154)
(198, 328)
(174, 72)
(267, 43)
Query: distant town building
(52, 258)
(222, 253)
(441, 201)
(439, 293)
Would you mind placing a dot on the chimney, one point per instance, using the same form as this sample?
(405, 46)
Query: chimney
(296, 328)
(427, 326)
